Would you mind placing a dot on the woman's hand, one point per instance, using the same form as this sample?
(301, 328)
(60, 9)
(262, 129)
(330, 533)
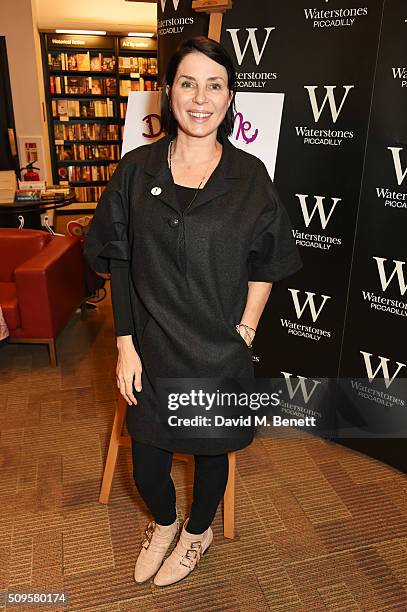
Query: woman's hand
(128, 368)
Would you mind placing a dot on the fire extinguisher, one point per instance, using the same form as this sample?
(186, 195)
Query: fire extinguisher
(30, 175)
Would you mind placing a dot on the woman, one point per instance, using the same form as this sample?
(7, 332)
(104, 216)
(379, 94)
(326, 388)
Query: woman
(193, 233)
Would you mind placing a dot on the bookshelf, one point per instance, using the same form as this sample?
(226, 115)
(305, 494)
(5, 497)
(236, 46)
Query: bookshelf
(87, 81)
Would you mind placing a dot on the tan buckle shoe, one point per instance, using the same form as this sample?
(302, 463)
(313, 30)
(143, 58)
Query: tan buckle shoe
(185, 556)
(157, 541)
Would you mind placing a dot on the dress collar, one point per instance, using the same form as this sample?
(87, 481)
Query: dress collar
(217, 185)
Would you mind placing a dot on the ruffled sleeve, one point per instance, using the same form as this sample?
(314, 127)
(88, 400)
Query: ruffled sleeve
(273, 253)
(108, 234)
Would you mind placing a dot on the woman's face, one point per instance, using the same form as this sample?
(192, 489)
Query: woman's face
(199, 95)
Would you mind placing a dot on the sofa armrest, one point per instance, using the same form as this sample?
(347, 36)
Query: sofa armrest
(50, 286)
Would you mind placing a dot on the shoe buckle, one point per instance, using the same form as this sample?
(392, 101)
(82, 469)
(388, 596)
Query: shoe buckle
(149, 534)
(195, 551)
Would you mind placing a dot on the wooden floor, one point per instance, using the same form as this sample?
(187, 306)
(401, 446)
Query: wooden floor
(318, 526)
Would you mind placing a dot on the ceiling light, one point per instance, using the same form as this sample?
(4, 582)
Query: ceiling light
(98, 32)
(142, 34)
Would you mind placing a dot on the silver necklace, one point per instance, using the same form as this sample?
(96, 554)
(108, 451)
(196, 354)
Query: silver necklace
(202, 180)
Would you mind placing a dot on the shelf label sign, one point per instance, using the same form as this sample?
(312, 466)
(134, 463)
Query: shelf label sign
(138, 43)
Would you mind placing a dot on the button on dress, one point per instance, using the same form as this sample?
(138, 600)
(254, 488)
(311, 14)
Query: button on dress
(187, 273)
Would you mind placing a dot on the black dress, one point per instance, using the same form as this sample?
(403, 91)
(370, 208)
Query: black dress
(120, 279)
(182, 276)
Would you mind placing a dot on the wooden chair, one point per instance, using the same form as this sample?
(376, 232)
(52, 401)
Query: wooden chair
(118, 439)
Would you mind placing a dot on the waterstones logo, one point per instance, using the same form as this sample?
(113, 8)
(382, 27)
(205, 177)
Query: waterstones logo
(391, 198)
(381, 368)
(319, 206)
(302, 392)
(397, 271)
(251, 40)
(173, 25)
(321, 211)
(329, 136)
(175, 4)
(400, 173)
(330, 98)
(309, 305)
(334, 18)
(396, 279)
(309, 301)
(400, 74)
(251, 48)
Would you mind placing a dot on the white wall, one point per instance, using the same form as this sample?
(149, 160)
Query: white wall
(17, 24)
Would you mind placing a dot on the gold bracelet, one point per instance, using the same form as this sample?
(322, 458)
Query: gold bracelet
(244, 325)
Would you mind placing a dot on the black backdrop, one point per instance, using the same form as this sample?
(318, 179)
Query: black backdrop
(339, 171)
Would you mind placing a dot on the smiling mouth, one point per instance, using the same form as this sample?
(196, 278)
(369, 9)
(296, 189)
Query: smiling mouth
(199, 115)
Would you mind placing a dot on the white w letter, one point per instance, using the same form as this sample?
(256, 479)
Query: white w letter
(331, 99)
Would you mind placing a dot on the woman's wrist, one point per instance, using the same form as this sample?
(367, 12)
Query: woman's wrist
(247, 332)
(124, 341)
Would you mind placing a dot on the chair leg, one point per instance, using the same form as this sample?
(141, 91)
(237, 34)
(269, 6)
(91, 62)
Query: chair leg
(52, 352)
(115, 442)
(229, 500)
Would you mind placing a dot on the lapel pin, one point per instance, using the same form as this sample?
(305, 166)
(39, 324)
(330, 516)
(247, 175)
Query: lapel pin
(156, 190)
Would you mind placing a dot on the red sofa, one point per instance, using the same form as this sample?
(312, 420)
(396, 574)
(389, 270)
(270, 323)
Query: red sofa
(41, 284)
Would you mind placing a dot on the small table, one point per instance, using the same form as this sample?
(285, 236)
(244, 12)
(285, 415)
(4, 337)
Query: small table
(31, 211)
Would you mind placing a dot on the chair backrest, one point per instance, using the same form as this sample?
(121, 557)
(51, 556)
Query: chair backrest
(16, 246)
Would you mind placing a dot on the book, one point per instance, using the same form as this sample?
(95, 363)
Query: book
(64, 152)
(27, 195)
(96, 62)
(77, 85)
(108, 63)
(62, 107)
(124, 64)
(110, 86)
(142, 65)
(71, 63)
(54, 61)
(55, 192)
(134, 64)
(152, 65)
(96, 86)
(83, 61)
(125, 87)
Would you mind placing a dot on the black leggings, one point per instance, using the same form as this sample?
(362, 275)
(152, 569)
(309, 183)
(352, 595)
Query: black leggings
(152, 475)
